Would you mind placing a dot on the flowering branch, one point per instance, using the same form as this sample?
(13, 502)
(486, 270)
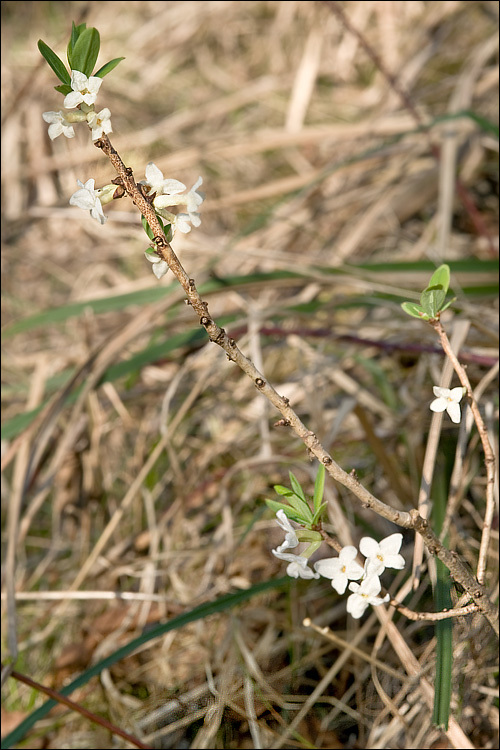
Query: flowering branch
(411, 520)
(153, 197)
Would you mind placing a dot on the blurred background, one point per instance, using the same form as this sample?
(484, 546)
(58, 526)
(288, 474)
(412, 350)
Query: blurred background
(347, 149)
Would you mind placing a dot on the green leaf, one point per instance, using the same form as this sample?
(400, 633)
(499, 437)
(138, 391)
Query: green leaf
(85, 52)
(108, 67)
(441, 278)
(55, 62)
(75, 33)
(296, 486)
(165, 227)
(289, 512)
(416, 311)
(432, 300)
(318, 513)
(319, 486)
(445, 307)
(280, 490)
(147, 228)
(301, 507)
(64, 88)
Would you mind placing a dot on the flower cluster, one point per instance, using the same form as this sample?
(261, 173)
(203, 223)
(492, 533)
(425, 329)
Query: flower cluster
(82, 99)
(167, 192)
(344, 571)
(80, 89)
(170, 193)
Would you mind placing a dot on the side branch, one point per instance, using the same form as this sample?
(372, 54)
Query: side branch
(489, 456)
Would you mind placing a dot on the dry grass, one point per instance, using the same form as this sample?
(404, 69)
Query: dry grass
(310, 160)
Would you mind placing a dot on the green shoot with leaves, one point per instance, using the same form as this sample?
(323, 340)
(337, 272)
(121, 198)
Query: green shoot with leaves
(432, 298)
(299, 509)
(82, 53)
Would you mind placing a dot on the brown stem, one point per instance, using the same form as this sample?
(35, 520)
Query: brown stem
(64, 701)
(433, 616)
(489, 457)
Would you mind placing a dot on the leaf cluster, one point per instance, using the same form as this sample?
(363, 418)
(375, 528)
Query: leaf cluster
(82, 52)
(298, 506)
(433, 297)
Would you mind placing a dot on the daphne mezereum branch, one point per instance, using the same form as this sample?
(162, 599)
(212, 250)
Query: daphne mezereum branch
(219, 336)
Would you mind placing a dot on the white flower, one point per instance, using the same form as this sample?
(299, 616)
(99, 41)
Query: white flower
(177, 221)
(84, 89)
(298, 567)
(290, 536)
(88, 199)
(380, 556)
(364, 594)
(181, 222)
(157, 184)
(100, 123)
(170, 193)
(160, 266)
(340, 569)
(449, 400)
(58, 125)
(194, 199)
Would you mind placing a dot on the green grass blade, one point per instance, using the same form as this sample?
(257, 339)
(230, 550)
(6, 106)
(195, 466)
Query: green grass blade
(444, 628)
(444, 650)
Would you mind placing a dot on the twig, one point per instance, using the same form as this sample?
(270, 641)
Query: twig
(489, 458)
(59, 698)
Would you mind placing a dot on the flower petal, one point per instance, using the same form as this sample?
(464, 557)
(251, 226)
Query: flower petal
(453, 410)
(369, 547)
(441, 392)
(160, 269)
(438, 405)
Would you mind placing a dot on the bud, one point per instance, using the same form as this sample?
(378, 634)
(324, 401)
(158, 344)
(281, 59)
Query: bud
(106, 194)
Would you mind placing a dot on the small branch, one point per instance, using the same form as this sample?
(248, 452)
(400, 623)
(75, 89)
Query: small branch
(489, 457)
(63, 700)
(433, 616)
(459, 572)
(333, 543)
